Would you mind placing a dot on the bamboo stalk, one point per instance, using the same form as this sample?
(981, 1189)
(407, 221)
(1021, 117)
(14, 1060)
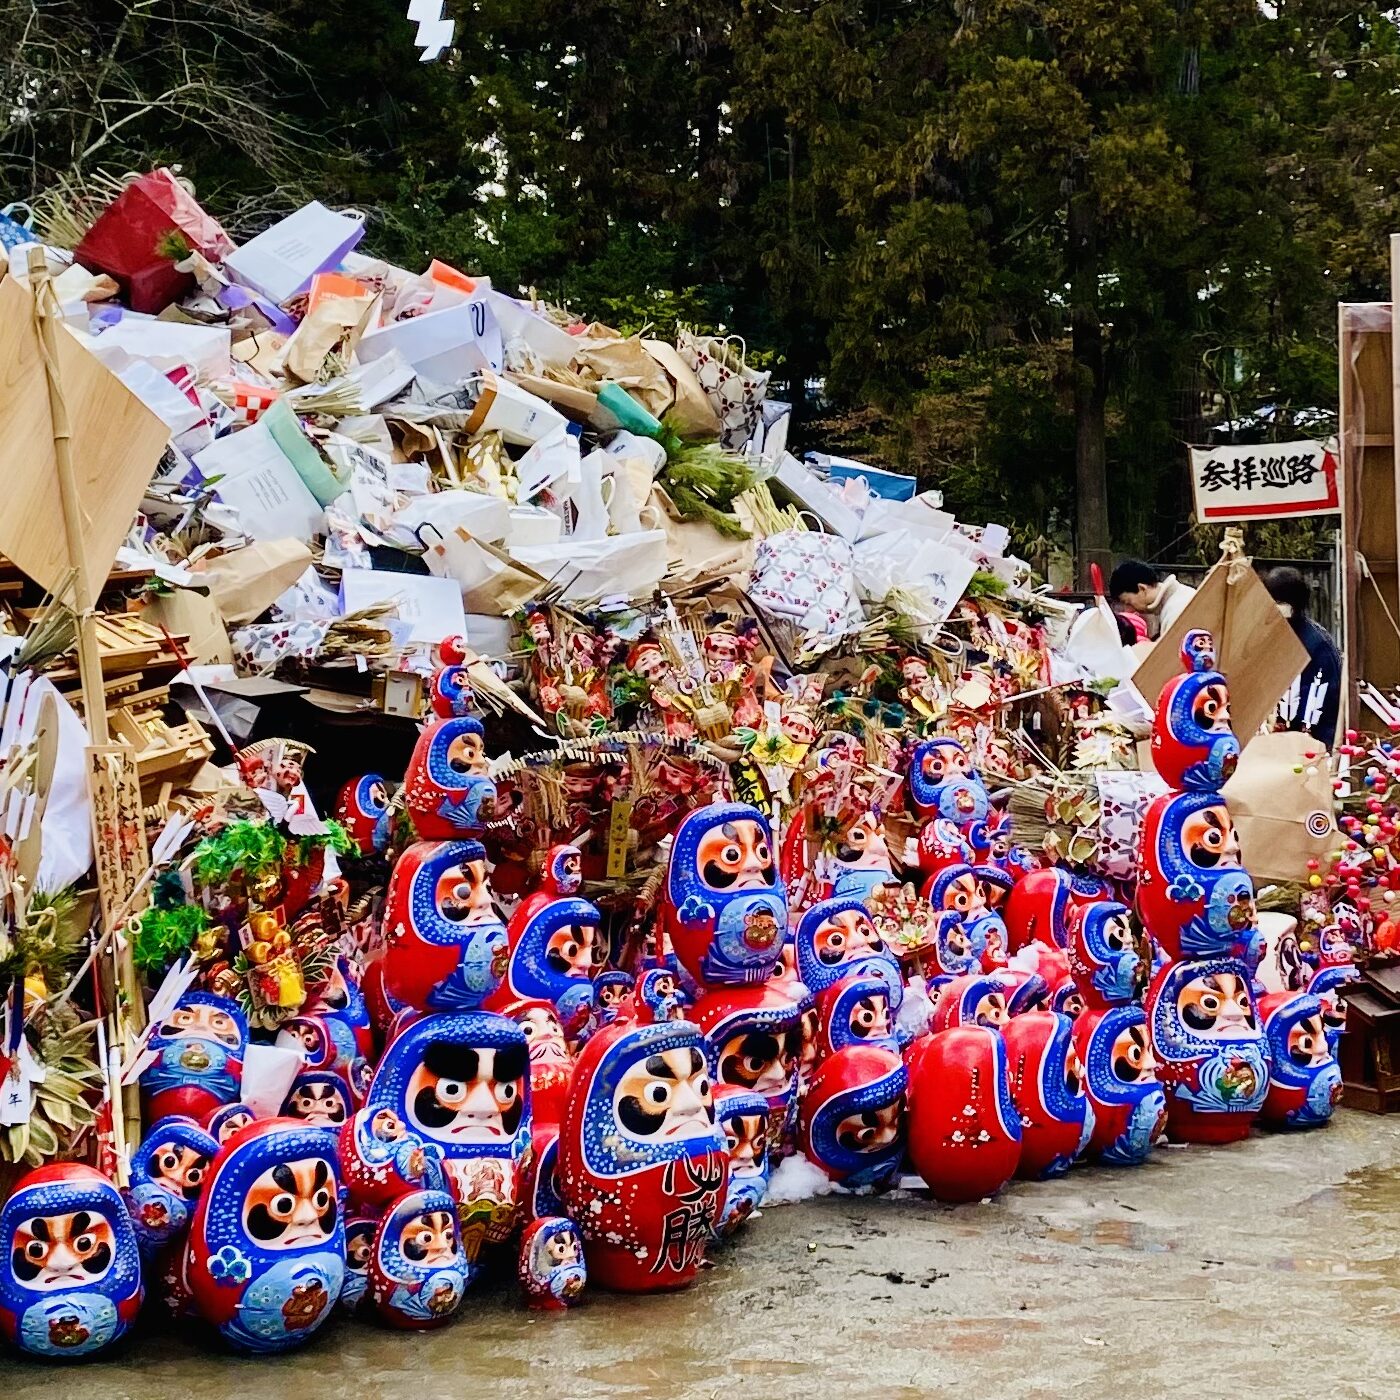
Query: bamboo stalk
(120, 992)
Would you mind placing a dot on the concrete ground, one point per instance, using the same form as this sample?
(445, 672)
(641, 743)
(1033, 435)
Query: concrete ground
(1267, 1268)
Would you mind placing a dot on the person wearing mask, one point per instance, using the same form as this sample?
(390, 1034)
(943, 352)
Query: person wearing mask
(1312, 702)
(1160, 600)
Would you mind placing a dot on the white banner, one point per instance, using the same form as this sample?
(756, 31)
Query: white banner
(1264, 481)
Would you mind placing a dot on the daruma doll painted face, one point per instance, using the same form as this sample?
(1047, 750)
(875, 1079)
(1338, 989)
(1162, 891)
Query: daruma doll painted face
(70, 1274)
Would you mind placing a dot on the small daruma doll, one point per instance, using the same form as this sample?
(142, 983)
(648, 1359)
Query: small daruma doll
(70, 1277)
(552, 956)
(1120, 1078)
(382, 1159)
(265, 1258)
(1105, 954)
(850, 1122)
(973, 1000)
(1037, 909)
(167, 1173)
(448, 789)
(418, 1274)
(855, 1011)
(360, 1230)
(723, 907)
(964, 1128)
(643, 1165)
(199, 1050)
(744, 1117)
(1304, 1081)
(447, 947)
(1210, 1048)
(753, 1038)
(837, 938)
(462, 1082)
(943, 783)
(551, 1267)
(1047, 1084)
(362, 808)
(1193, 746)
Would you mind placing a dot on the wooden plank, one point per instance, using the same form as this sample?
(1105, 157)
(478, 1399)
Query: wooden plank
(1369, 498)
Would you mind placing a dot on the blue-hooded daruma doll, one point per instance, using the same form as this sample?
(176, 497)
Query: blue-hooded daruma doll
(1212, 1058)
(1047, 1085)
(1120, 1079)
(723, 907)
(198, 1065)
(462, 1082)
(551, 1266)
(70, 1274)
(744, 1118)
(1193, 897)
(448, 789)
(850, 1122)
(642, 1162)
(1193, 746)
(1105, 954)
(418, 1275)
(265, 1259)
(447, 947)
(1304, 1081)
(167, 1175)
(836, 939)
(552, 957)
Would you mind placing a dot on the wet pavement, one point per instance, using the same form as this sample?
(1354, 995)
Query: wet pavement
(1268, 1268)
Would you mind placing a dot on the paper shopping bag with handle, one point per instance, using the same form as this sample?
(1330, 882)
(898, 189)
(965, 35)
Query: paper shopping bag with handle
(1256, 649)
(1280, 799)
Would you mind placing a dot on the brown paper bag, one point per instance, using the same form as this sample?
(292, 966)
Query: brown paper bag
(697, 549)
(1257, 651)
(508, 590)
(692, 414)
(626, 363)
(246, 582)
(335, 323)
(1283, 818)
(198, 617)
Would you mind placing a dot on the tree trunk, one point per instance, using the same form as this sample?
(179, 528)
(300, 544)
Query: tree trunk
(1090, 393)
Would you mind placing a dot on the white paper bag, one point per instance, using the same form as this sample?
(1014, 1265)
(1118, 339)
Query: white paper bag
(628, 566)
(519, 416)
(282, 261)
(432, 607)
(444, 346)
(485, 517)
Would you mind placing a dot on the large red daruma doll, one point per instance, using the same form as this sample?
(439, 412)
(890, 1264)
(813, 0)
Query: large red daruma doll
(643, 1164)
(964, 1128)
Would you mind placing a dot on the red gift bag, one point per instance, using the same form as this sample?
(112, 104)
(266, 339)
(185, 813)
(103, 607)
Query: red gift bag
(144, 232)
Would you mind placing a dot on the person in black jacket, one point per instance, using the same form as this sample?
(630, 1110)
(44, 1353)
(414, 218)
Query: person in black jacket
(1313, 700)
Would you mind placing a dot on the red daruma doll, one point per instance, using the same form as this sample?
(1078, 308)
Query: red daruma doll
(964, 1129)
(643, 1165)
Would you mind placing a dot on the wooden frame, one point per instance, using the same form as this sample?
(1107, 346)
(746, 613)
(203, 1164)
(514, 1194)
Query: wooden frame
(1369, 381)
